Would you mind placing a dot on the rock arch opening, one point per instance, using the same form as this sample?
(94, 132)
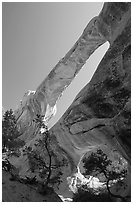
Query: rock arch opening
(79, 82)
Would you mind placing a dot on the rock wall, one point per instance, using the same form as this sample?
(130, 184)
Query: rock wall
(100, 113)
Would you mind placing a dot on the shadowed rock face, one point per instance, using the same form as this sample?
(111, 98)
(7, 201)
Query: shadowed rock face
(100, 114)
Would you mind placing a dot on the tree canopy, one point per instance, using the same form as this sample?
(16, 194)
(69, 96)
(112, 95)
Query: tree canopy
(110, 172)
(10, 131)
(99, 165)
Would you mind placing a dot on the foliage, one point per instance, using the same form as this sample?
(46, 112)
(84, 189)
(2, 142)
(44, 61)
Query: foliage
(83, 195)
(96, 162)
(10, 132)
(99, 164)
(15, 144)
(6, 165)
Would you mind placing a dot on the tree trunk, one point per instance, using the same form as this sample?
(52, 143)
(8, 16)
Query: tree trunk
(50, 158)
(108, 189)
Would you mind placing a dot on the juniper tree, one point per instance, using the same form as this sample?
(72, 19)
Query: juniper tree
(10, 132)
(52, 163)
(98, 163)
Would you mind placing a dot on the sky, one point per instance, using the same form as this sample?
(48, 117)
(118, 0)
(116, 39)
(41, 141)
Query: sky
(35, 36)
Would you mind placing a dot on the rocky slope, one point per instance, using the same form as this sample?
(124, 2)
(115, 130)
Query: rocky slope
(100, 114)
(13, 191)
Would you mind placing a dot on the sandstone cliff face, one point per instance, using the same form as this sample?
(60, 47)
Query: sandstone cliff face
(25, 115)
(100, 114)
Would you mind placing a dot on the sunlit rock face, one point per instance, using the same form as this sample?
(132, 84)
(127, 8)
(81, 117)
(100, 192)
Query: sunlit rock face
(25, 114)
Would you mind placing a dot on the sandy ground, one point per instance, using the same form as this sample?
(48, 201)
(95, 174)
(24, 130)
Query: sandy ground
(13, 191)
